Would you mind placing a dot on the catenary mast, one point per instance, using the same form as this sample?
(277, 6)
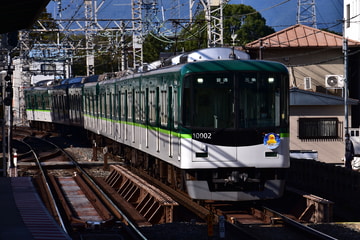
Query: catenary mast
(306, 13)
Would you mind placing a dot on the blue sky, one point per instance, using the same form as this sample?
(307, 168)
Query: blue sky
(282, 13)
(279, 14)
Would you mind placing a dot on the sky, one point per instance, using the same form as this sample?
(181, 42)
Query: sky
(279, 14)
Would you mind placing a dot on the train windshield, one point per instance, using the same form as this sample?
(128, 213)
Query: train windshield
(235, 100)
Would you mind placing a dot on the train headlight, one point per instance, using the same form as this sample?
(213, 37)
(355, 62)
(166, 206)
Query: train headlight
(272, 140)
(200, 80)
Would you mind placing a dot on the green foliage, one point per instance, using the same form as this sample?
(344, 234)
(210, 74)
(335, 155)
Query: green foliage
(152, 48)
(48, 23)
(245, 22)
(239, 19)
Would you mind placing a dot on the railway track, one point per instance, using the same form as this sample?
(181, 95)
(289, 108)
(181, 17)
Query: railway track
(72, 196)
(123, 188)
(252, 221)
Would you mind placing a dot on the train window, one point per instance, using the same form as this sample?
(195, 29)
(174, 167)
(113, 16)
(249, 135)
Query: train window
(209, 101)
(123, 105)
(86, 106)
(137, 106)
(108, 104)
(95, 104)
(175, 108)
(143, 106)
(259, 100)
(90, 104)
(233, 100)
(103, 104)
(119, 105)
(46, 102)
(42, 106)
(163, 108)
(130, 105)
(115, 106)
(39, 103)
(152, 104)
(146, 106)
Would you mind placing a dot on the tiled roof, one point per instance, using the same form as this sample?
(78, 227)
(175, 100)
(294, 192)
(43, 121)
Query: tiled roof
(301, 36)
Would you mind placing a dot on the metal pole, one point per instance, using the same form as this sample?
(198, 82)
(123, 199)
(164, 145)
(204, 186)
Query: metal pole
(345, 50)
(4, 146)
(2, 119)
(10, 115)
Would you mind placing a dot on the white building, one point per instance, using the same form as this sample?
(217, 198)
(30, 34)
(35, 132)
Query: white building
(352, 19)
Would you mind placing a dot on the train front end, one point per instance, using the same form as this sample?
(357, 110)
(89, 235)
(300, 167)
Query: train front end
(235, 129)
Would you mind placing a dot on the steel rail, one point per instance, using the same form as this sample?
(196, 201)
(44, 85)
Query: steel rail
(48, 189)
(104, 195)
(302, 227)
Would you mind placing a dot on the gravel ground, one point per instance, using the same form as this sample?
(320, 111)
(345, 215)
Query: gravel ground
(345, 231)
(176, 231)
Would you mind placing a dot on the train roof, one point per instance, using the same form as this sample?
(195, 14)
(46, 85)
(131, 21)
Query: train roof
(234, 65)
(92, 78)
(37, 88)
(72, 80)
(209, 59)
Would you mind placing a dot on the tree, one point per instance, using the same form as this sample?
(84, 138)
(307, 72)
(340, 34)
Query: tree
(239, 19)
(152, 47)
(244, 21)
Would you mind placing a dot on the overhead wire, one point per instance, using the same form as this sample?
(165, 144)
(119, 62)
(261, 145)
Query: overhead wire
(163, 24)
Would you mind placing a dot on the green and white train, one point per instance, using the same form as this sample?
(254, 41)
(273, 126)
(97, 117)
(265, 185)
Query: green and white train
(215, 126)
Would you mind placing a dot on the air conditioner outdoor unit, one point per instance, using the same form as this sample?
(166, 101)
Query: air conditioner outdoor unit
(307, 83)
(334, 81)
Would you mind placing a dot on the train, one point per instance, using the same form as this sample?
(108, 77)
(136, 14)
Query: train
(212, 122)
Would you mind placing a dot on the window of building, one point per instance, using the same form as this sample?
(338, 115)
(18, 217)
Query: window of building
(48, 69)
(319, 128)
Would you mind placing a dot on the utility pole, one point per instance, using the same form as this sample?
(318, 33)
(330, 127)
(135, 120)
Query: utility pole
(10, 41)
(346, 80)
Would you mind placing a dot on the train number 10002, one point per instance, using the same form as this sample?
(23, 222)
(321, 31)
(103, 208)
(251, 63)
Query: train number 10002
(201, 135)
